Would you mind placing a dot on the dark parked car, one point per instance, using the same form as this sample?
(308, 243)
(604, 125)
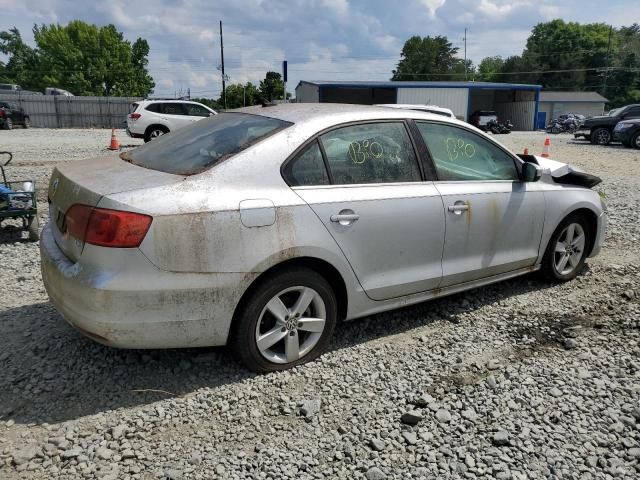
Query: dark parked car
(11, 114)
(599, 130)
(628, 132)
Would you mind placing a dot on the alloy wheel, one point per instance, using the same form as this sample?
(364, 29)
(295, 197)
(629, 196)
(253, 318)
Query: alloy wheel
(569, 249)
(291, 324)
(637, 141)
(156, 133)
(603, 137)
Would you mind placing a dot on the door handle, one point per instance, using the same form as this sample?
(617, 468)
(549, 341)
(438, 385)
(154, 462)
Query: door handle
(458, 208)
(345, 217)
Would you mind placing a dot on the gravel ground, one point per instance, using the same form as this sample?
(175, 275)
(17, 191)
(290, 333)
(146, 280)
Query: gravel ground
(522, 379)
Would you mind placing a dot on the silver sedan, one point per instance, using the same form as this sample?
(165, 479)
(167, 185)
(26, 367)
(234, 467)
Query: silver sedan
(261, 228)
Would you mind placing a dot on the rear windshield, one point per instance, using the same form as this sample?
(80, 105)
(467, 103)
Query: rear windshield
(200, 146)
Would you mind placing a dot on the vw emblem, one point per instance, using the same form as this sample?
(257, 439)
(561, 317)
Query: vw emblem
(54, 185)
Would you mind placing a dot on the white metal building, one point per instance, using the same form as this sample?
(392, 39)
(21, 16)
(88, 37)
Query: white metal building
(515, 102)
(554, 104)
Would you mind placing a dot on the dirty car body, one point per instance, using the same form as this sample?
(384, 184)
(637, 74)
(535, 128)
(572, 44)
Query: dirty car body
(383, 207)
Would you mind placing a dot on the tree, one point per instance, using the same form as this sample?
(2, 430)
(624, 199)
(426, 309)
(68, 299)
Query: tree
(239, 95)
(91, 60)
(429, 58)
(490, 68)
(22, 60)
(82, 58)
(272, 87)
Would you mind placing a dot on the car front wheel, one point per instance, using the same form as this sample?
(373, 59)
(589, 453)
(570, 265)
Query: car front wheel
(601, 136)
(567, 250)
(288, 320)
(635, 141)
(8, 124)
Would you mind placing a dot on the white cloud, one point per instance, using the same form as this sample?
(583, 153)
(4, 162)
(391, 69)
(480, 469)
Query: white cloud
(432, 6)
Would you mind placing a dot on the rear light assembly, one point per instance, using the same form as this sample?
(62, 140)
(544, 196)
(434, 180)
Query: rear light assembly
(134, 116)
(105, 227)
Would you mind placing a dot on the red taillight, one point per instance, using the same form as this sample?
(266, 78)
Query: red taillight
(1, 112)
(134, 116)
(107, 228)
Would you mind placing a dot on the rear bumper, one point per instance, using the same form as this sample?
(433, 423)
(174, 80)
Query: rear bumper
(133, 304)
(134, 135)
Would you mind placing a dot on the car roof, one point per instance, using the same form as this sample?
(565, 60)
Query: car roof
(173, 100)
(334, 113)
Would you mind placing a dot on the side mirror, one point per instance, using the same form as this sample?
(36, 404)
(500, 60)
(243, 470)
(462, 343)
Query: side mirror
(531, 172)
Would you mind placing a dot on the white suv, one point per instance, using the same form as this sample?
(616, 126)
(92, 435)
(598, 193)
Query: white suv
(151, 118)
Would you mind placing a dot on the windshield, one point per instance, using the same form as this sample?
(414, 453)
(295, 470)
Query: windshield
(198, 147)
(615, 112)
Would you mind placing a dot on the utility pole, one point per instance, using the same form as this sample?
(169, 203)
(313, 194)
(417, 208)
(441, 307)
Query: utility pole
(606, 72)
(465, 54)
(224, 91)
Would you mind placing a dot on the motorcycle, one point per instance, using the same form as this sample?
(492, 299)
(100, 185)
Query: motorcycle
(569, 125)
(496, 127)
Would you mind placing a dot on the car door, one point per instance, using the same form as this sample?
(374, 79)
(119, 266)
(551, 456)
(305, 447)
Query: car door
(493, 220)
(364, 183)
(175, 115)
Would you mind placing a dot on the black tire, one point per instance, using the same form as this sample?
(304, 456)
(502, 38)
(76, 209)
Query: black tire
(635, 141)
(8, 124)
(549, 268)
(601, 136)
(27, 123)
(155, 131)
(243, 340)
(34, 228)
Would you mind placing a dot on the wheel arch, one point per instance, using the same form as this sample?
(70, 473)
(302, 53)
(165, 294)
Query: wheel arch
(155, 125)
(592, 224)
(322, 267)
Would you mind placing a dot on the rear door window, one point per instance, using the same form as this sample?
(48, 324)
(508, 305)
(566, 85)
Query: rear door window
(173, 109)
(204, 144)
(371, 153)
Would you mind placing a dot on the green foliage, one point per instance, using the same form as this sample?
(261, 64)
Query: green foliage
(429, 59)
(489, 69)
(572, 56)
(272, 87)
(22, 60)
(80, 57)
(239, 95)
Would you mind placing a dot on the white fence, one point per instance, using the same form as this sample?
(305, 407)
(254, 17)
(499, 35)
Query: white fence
(55, 111)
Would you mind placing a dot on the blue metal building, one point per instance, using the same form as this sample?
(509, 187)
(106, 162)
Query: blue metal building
(516, 102)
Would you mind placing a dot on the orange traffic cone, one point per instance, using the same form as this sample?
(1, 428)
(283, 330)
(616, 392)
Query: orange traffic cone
(545, 149)
(115, 144)
(526, 151)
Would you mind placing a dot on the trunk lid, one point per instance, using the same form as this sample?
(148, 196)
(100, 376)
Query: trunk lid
(86, 182)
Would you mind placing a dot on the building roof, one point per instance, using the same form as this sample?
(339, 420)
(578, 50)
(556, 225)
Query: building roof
(566, 97)
(417, 84)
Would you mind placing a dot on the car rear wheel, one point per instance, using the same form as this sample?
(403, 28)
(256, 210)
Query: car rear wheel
(287, 321)
(8, 124)
(155, 132)
(27, 123)
(601, 136)
(635, 141)
(567, 250)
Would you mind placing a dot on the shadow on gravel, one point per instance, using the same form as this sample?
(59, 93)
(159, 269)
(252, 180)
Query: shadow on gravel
(51, 373)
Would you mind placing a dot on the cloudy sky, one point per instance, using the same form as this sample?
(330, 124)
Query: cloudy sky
(321, 39)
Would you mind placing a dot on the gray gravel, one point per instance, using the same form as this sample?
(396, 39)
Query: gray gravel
(497, 388)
